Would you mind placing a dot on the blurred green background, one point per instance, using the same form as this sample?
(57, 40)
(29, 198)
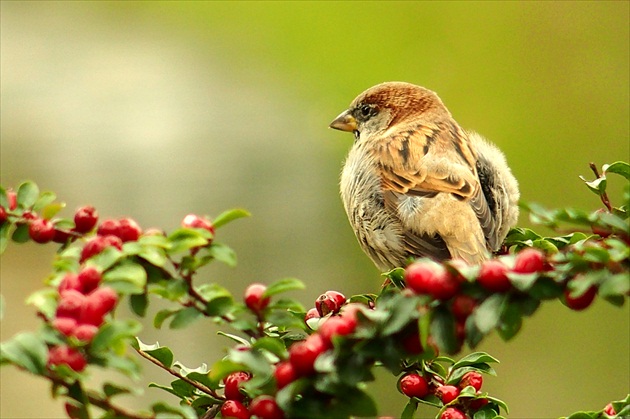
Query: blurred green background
(157, 109)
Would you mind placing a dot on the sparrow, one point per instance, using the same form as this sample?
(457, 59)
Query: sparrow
(415, 184)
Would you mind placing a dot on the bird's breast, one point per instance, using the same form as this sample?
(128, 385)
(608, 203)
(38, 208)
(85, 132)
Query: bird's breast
(377, 231)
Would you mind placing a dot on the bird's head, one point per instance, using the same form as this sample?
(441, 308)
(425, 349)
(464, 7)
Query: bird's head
(384, 105)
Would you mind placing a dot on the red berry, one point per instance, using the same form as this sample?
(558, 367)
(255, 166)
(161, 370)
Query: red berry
(234, 409)
(98, 244)
(433, 279)
(71, 304)
(11, 199)
(463, 306)
(65, 325)
(85, 218)
(476, 404)
(303, 354)
(73, 412)
(265, 407)
(580, 302)
(325, 305)
(233, 385)
(472, 378)
(414, 385)
(412, 344)
(610, 410)
(70, 282)
(41, 231)
(195, 221)
(447, 393)
(337, 297)
(336, 326)
(529, 260)
(128, 230)
(64, 355)
(97, 304)
(108, 227)
(85, 332)
(3, 215)
(453, 413)
(285, 374)
(493, 276)
(254, 297)
(89, 278)
(349, 312)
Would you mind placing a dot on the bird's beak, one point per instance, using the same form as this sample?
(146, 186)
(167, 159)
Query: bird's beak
(344, 122)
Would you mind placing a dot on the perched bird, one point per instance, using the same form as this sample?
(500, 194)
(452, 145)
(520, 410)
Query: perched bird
(415, 184)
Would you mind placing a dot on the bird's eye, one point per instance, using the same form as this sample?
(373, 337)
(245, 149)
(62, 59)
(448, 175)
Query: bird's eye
(366, 110)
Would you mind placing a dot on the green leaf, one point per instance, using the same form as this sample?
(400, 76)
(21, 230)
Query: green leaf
(410, 409)
(162, 354)
(106, 259)
(522, 282)
(161, 316)
(139, 304)
(511, 321)
(488, 313)
(222, 369)
(255, 361)
(27, 194)
(223, 253)
(619, 167)
(184, 318)
(25, 350)
(597, 186)
(403, 310)
(182, 411)
(272, 345)
(49, 211)
(283, 285)
(112, 390)
(184, 239)
(154, 255)
(20, 234)
(165, 388)
(126, 278)
(443, 329)
(115, 335)
(355, 403)
(45, 199)
(4, 201)
(5, 232)
(228, 216)
(45, 301)
(474, 358)
(618, 284)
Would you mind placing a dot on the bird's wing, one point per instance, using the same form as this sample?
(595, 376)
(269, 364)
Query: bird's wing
(429, 159)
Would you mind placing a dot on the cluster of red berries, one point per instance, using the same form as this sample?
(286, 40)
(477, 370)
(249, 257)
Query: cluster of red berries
(263, 407)
(341, 321)
(444, 282)
(416, 385)
(83, 305)
(42, 230)
(83, 302)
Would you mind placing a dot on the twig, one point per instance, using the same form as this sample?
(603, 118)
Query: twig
(97, 400)
(171, 371)
(604, 195)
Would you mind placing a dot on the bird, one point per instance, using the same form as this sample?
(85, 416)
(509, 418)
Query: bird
(415, 184)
